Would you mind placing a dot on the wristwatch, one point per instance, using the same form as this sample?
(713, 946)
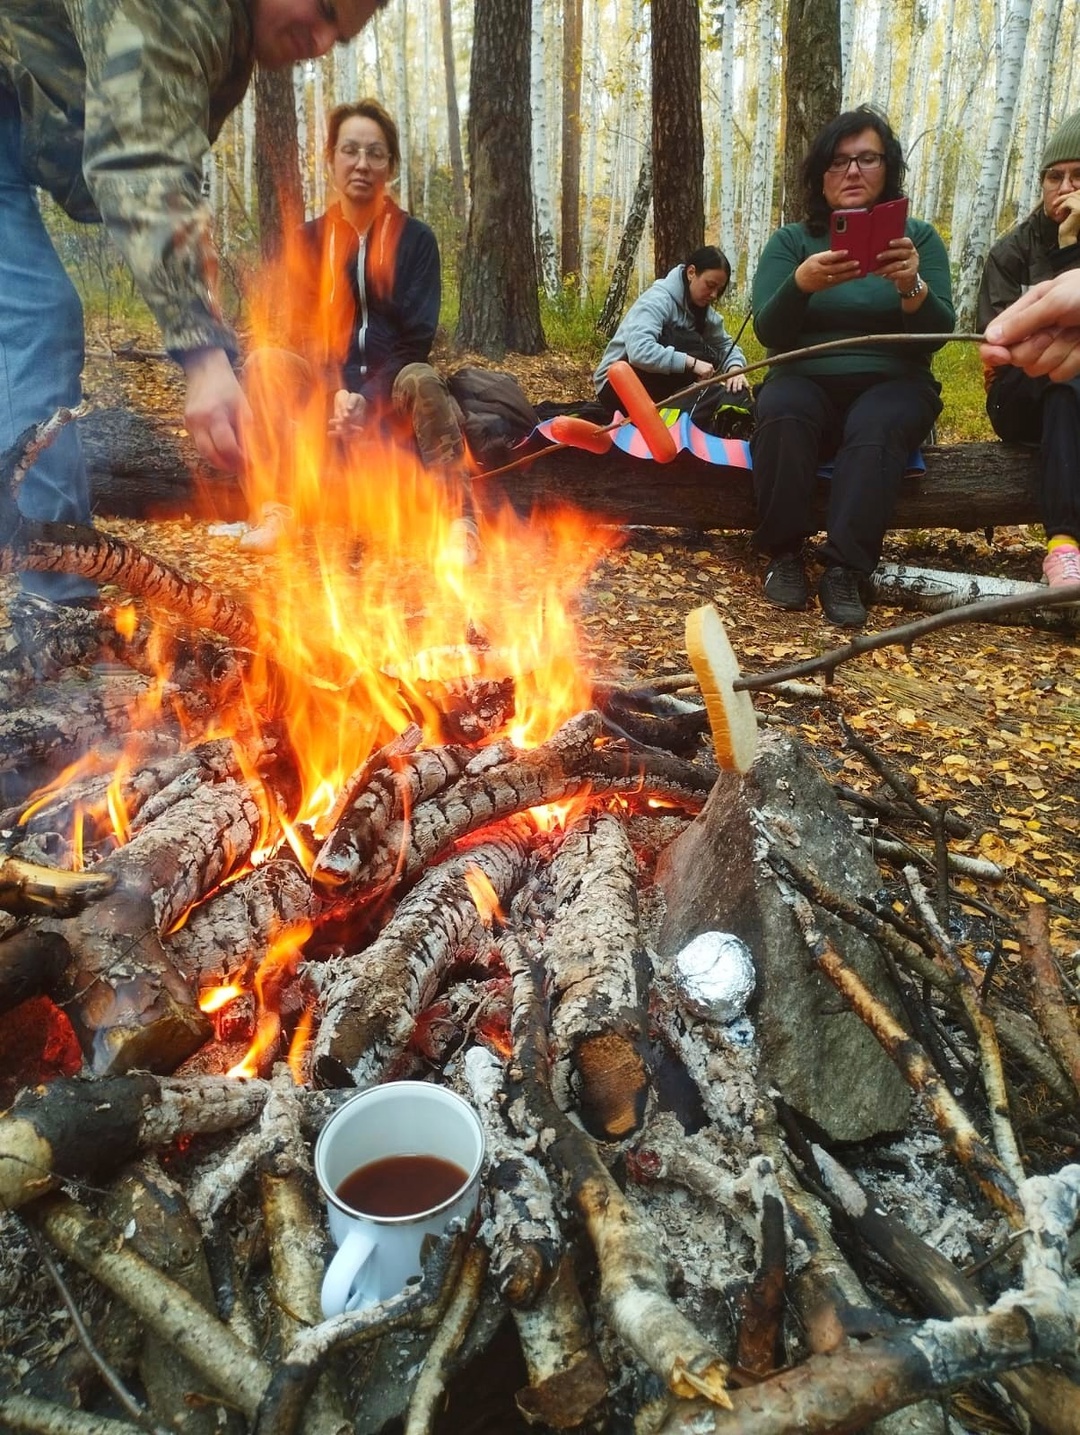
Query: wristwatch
(916, 289)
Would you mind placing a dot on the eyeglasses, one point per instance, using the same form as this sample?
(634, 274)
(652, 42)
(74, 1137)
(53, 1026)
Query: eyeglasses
(378, 156)
(1055, 178)
(870, 159)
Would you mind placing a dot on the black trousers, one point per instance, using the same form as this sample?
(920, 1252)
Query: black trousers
(869, 428)
(1027, 410)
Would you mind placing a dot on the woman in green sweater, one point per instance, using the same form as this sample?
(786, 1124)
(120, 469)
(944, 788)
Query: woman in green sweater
(866, 408)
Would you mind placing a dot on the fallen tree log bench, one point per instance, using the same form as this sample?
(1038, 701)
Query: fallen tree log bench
(143, 469)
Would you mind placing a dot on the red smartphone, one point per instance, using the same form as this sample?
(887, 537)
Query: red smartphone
(865, 233)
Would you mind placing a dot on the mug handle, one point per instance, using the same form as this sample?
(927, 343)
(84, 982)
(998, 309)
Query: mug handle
(349, 1260)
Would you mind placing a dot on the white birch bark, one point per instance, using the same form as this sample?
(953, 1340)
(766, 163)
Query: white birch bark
(761, 171)
(247, 122)
(299, 80)
(935, 158)
(314, 161)
(541, 154)
(1045, 52)
(983, 215)
(591, 81)
(402, 115)
(881, 85)
(847, 40)
(728, 239)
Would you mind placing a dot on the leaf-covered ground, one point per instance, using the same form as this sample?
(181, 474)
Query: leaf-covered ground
(983, 718)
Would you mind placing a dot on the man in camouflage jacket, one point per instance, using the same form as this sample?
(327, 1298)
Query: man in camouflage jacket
(111, 106)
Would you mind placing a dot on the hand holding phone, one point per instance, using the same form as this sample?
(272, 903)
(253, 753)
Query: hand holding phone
(866, 233)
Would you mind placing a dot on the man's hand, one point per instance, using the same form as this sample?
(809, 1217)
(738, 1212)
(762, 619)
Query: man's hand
(348, 414)
(1040, 333)
(1069, 225)
(215, 409)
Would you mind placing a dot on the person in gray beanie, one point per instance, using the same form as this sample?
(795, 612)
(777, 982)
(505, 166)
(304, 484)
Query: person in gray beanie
(1025, 408)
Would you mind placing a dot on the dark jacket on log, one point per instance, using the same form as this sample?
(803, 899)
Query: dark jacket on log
(1025, 256)
(362, 307)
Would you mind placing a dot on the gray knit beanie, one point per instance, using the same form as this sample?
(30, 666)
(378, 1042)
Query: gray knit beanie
(1063, 144)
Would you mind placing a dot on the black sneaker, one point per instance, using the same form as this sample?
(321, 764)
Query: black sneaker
(785, 582)
(838, 593)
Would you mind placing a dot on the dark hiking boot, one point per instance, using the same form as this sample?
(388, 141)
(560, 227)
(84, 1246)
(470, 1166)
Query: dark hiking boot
(785, 582)
(838, 593)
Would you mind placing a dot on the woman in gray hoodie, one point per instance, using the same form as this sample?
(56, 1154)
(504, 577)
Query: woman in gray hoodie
(671, 336)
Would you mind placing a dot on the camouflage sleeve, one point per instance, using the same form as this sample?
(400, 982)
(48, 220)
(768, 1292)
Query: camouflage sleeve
(152, 73)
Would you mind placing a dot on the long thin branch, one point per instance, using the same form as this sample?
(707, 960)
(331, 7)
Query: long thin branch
(1046, 995)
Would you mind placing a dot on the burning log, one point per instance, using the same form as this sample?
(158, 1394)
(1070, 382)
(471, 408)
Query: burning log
(29, 890)
(633, 1282)
(127, 1003)
(564, 767)
(82, 1130)
(597, 972)
(233, 933)
(73, 548)
(389, 785)
(50, 638)
(369, 1002)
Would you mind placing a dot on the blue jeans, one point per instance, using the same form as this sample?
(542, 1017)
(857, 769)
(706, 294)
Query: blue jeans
(41, 358)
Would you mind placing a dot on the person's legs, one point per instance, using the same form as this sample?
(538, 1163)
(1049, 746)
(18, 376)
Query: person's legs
(41, 358)
(793, 420)
(420, 395)
(882, 427)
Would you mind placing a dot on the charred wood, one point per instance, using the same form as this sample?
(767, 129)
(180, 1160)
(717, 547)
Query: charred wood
(564, 767)
(431, 1382)
(230, 935)
(389, 786)
(72, 548)
(597, 972)
(633, 1282)
(568, 1385)
(369, 1002)
(84, 1130)
(30, 890)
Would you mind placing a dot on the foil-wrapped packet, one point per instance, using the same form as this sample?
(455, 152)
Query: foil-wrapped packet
(714, 976)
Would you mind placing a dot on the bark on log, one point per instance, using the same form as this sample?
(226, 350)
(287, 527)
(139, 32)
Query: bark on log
(965, 486)
(72, 1130)
(125, 998)
(597, 972)
(165, 1307)
(563, 767)
(369, 1002)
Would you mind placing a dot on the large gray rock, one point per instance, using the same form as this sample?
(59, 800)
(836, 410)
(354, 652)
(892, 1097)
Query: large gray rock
(816, 1053)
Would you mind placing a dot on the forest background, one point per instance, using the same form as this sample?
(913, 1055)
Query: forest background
(567, 151)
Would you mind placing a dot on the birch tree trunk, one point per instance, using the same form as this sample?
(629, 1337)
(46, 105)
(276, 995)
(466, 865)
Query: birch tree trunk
(727, 137)
(628, 248)
(453, 118)
(1037, 106)
(935, 159)
(812, 86)
(541, 167)
(847, 37)
(500, 307)
(571, 141)
(403, 116)
(678, 138)
(980, 230)
(881, 85)
(591, 130)
(761, 177)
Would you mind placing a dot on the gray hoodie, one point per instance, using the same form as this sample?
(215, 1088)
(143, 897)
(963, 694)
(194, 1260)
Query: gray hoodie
(637, 337)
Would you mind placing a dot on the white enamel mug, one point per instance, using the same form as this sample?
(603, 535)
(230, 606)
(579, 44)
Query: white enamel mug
(377, 1255)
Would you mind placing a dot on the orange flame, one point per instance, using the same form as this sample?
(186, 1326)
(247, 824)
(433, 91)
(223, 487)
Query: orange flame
(214, 998)
(484, 896)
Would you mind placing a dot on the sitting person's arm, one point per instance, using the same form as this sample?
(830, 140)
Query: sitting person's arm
(645, 319)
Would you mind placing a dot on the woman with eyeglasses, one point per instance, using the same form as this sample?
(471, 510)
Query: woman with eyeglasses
(363, 306)
(864, 409)
(1042, 406)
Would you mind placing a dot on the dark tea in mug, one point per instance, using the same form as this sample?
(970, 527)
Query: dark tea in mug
(401, 1185)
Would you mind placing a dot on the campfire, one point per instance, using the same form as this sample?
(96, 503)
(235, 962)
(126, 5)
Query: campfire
(378, 822)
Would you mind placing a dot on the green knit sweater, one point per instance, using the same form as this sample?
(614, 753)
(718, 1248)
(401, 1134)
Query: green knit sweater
(785, 318)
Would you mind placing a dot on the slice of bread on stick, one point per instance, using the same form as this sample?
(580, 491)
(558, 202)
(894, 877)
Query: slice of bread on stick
(731, 714)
